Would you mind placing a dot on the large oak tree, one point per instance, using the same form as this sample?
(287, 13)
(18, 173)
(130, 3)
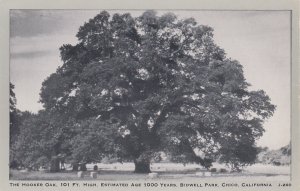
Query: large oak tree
(136, 87)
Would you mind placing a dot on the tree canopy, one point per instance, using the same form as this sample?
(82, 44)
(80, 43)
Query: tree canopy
(132, 88)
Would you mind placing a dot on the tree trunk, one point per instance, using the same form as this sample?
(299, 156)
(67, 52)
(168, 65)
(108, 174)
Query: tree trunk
(75, 166)
(54, 166)
(82, 167)
(142, 167)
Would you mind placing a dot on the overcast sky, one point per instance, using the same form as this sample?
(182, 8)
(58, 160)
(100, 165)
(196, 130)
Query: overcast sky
(259, 40)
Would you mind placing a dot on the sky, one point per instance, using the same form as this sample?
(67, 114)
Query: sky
(259, 40)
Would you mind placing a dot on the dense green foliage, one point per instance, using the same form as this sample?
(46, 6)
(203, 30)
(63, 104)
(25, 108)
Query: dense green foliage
(132, 88)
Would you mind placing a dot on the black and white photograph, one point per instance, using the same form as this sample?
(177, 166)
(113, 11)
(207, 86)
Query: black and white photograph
(151, 98)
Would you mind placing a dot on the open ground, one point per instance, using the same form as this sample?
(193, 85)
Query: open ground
(124, 171)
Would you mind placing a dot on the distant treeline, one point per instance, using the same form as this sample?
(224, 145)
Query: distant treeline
(278, 157)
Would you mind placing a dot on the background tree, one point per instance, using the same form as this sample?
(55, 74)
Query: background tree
(13, 114)
(13, 125)
(42, 142)
(15, 119)
(136, 87)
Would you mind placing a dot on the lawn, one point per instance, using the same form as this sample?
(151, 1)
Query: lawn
(118, 171)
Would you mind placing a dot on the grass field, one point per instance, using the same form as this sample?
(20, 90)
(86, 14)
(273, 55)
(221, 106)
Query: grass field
(118, 171)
